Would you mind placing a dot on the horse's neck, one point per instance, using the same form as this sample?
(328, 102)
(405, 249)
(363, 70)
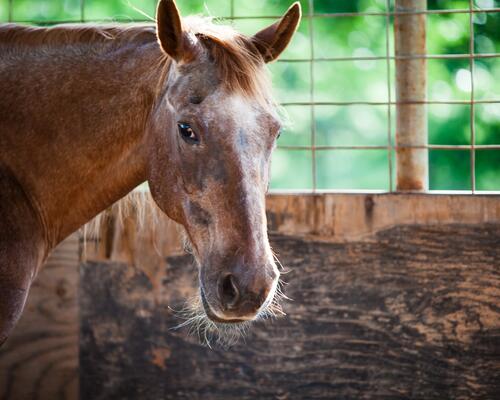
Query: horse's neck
(73, 129)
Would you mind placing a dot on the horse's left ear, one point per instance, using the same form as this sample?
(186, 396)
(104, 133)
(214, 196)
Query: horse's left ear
(274, 39)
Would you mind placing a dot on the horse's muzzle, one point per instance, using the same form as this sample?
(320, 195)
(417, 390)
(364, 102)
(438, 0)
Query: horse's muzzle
(240, 297)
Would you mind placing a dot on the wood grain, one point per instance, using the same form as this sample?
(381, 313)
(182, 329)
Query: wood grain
(383, 308)
(40, 360)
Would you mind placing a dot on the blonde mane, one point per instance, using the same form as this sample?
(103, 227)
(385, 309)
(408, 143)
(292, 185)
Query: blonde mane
(240, 66)
(22, 37)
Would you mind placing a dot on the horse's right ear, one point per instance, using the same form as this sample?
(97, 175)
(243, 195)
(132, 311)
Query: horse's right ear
(172, 38)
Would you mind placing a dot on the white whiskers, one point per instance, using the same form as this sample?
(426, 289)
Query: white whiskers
(220, 334)
(209, 332)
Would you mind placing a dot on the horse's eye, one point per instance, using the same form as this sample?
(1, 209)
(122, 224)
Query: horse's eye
(187, 133)
(279, 134)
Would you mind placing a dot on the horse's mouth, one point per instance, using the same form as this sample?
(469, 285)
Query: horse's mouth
(210, 314)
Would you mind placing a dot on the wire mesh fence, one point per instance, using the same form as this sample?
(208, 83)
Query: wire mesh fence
(343, 125)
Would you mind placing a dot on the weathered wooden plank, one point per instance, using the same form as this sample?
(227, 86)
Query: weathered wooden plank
(324, 217)
(382, 309)
(347, 217)
(40, 359)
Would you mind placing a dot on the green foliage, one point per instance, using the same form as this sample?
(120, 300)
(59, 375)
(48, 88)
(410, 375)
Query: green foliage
(341, 81)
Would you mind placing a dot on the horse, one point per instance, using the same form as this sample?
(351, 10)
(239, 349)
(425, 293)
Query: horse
(89, 112)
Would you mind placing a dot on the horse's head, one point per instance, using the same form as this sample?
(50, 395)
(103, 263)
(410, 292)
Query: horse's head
(213, 131)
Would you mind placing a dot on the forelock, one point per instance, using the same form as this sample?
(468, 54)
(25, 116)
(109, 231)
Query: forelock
(239, 66)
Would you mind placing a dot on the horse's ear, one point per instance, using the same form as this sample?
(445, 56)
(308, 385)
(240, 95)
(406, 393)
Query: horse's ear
(171, 36)
(274, 39)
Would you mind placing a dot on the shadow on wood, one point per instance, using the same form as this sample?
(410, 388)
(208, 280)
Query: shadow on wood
(382, 308)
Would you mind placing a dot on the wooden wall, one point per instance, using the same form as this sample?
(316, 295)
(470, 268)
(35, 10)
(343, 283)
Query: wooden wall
(40, 360)
(394, 297)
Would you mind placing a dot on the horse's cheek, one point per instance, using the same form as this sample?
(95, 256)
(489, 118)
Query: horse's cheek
(169, 202)
(166, 189)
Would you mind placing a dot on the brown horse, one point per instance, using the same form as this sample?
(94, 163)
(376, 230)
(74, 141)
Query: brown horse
(87, 113)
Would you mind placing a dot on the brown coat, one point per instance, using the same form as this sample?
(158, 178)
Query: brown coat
(87, 113)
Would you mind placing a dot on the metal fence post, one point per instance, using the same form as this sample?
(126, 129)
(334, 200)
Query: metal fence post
(411, 96)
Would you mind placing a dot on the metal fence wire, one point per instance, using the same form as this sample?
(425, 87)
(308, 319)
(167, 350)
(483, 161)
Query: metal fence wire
(410, 144)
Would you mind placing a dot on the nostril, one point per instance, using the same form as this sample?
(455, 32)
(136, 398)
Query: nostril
(229, 292)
